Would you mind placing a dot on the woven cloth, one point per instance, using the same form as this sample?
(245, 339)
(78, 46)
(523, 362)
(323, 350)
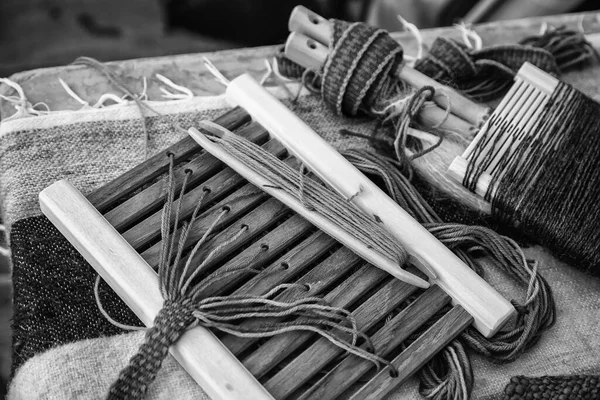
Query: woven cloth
(54, 311)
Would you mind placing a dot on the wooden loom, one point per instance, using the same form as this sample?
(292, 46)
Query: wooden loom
(117, 229)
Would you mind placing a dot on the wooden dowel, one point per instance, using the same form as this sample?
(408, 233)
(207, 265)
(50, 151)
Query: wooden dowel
(198, 351)
(312, 55)
(489, 309)
(474, 113)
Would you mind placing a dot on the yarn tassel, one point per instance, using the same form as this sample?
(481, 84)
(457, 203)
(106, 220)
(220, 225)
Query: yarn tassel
(186, 306)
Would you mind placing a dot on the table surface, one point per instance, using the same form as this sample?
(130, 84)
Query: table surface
(42, 85)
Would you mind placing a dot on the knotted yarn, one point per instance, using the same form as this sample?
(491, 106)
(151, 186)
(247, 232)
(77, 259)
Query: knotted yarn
(485, 74)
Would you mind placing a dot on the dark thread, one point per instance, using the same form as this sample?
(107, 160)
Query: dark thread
(549, 182)
(488, 73)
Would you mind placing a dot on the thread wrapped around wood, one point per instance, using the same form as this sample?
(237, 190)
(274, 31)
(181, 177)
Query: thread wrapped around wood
(548, 185)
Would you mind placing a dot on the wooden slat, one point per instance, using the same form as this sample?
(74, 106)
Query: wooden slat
(219, 184)
(344, 295)
(256, 221)
(108, 194)
(238, 202)
(262, 251)
(318, 355)
(417, 354)
(201, 167)
(391, 335)
(318, 279)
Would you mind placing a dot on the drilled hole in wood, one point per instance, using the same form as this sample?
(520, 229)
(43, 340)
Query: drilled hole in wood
(393, 373)
(170, 154)
(206, 189)
(188, 171)
(311, 44)
(264, 247)
(306, 286)
(226, 208)
(244, 227)
(284, 266)
(313, 19)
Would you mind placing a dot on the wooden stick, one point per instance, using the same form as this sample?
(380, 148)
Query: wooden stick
(521, 106)
(312, 55)
(310, 24)
(488, 308)
(198, 351)
(318, 220)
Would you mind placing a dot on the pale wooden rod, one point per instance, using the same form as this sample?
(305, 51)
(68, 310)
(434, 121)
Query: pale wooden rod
(308, 23)
(520, 108)
(315, 218)
(198, 351)
(312, 55)
(488, 308)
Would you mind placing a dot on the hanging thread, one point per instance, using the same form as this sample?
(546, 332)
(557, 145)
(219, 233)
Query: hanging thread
(548, 182)
(486, 73)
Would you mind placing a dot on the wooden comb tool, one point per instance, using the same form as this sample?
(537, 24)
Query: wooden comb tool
(508, 126)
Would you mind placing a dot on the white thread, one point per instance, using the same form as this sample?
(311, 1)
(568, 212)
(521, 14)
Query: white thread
(105, 313)
(396, 107)
(469, 35)
(215, 72)
(109, 96)
(412, 28)
(267, 74)
(74, 95)
(142, 96)
(185, 92)
(20, 102)
(543, 27)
